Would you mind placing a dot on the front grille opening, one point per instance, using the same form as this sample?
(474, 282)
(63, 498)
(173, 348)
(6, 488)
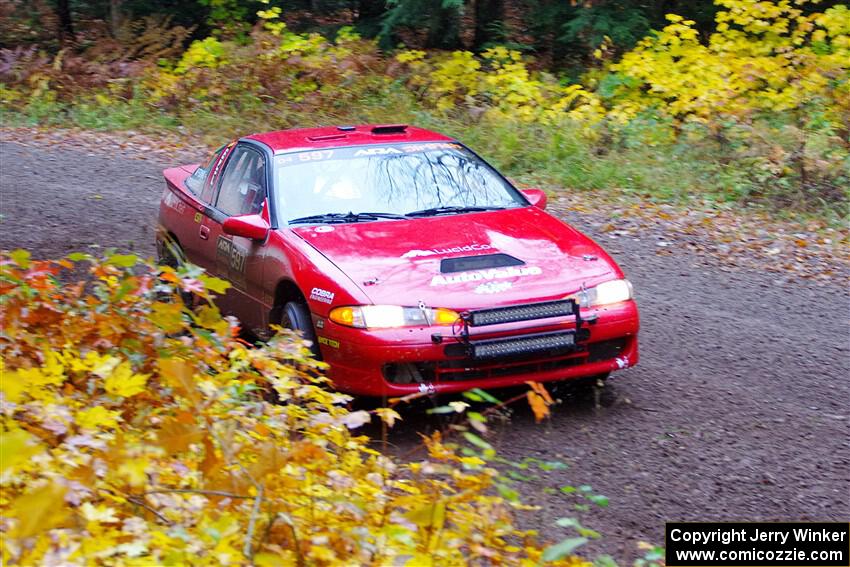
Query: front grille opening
(482, 262)
(606, 350)
(404, 373)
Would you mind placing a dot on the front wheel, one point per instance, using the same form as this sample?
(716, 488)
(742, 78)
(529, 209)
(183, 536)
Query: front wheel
(296, 316)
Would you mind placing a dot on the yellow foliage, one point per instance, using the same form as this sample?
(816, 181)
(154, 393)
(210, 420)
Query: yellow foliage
(763, 57)
(155, 445)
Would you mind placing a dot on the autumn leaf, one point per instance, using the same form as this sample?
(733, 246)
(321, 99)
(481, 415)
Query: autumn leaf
(134, 472)
(100, 513)
(215, 285)
(387, 415)
(123, 382)
(167, 316)
(20, 257)
(211, 460)
(40, 510)
(98, 416)
(16, 447)
(538, 406)
(432, 515)
(356, 419)
(123, 260)
(12, 386)
(176, 435)
(178, 374)
(541, 389)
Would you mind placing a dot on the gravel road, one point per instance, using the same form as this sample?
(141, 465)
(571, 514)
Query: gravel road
(737, 411)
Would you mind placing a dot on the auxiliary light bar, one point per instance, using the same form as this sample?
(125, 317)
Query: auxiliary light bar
(544, 310)
(525, 345)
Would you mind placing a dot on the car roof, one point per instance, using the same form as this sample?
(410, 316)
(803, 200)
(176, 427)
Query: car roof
(340, 136)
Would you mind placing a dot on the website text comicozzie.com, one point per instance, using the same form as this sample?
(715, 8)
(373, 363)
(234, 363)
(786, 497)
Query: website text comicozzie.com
(743, 544)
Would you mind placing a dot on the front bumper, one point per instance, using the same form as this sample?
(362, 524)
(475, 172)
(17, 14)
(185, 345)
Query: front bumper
(397, 362)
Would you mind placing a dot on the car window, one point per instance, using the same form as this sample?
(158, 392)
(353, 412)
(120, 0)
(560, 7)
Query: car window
(243, 184)
(195, 182)
(396, 179)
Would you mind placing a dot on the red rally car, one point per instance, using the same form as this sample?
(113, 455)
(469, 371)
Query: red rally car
(412, 264)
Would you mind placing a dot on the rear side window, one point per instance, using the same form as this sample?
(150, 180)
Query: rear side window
(243, 183)
(195, 182)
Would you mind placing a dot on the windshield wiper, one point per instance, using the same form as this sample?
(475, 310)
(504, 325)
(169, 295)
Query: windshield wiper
(451, 210)
(346, 217)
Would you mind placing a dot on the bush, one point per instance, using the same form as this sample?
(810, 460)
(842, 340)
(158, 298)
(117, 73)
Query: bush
(757, 113)
(136, 431)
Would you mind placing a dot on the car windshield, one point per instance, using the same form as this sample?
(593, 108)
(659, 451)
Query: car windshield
(369, 183)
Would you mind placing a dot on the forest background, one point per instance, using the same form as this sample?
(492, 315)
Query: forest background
(732, 101)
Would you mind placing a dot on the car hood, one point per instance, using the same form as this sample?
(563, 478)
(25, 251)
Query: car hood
(399, 262)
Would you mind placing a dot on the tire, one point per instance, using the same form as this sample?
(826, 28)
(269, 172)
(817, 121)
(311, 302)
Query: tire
(296, 316)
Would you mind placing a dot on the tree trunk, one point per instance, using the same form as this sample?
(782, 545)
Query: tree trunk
(487, 13)
(115, 16)
(66, 24)
(370, 10)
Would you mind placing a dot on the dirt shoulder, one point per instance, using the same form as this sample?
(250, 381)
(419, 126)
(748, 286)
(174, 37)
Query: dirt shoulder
(737, 410)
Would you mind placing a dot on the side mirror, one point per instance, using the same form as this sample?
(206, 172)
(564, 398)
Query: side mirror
(537, 197)
(254, 227)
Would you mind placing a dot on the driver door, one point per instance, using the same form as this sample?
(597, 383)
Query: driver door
(242, 190)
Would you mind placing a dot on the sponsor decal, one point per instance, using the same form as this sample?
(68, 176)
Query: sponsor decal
(222, 253)
(322, 155)
(445, 251)
(237, 259)
(320, 323)
(318, 155)
(329, 342)
(410, 148)
(229, 256)
(487, 275)
(379, 151)
(221, 161)
(324, 229)
(321, 295)
(172, 201)
(198, 217)
(494, 287)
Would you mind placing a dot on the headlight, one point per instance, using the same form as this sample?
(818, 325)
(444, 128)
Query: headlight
(605, 293)
(389, 316)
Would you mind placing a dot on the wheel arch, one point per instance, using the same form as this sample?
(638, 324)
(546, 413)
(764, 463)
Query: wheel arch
(286, 290)
(167, 241)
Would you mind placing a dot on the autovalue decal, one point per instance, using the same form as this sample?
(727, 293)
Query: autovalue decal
(445, 251)
(487, 275)
(321, 295)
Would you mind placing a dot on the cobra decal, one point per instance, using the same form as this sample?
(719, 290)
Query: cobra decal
(321, 295)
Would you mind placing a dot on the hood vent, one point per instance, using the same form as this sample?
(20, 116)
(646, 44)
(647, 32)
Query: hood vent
(483, 262)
